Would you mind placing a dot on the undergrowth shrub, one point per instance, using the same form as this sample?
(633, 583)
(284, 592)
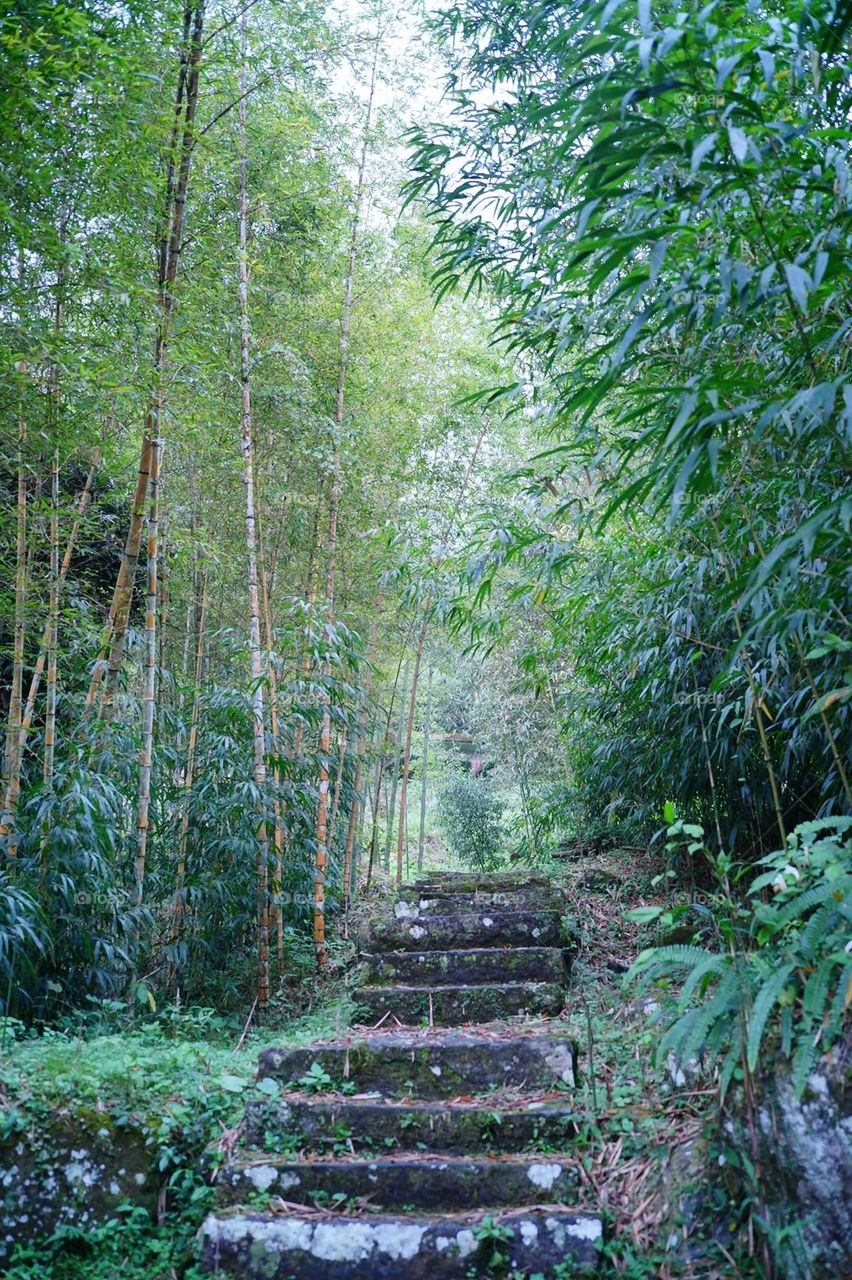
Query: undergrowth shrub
(470, 813)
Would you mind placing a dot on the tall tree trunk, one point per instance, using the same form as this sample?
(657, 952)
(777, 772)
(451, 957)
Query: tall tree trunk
(52, 627)
(256, 657)
(334, 509)
(177, 185)
(406, 764)
(424, 768)
(149, 690)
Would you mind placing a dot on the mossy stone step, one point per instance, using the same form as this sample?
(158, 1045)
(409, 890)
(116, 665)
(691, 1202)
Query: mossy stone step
(412, 1183)
(412, 906)
(485, 928)
(448, 1006)
(372, 1124)
(452, 968)
(444, 1065)
(487, 881)
(246, 1245)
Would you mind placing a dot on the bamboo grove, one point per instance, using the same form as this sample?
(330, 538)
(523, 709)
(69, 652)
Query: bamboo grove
(208, 285)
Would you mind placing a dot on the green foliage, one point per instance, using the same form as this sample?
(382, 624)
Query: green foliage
(660, 202)
(469, 814)
(782, 968)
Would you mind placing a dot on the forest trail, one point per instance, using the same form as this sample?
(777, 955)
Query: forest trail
(422, 1151)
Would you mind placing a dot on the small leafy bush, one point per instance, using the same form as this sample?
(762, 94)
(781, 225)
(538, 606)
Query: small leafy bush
(470, 815)
(782, 965)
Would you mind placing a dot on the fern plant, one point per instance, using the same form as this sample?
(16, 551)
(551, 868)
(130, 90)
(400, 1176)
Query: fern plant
(782, 966)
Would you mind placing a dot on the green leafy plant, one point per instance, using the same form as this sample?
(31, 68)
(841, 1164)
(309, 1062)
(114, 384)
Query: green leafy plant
(783, 963)
(316, 1079)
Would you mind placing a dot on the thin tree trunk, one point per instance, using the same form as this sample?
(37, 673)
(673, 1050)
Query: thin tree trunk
(406, 764)
(397, 763)
(149, 690)
(177, 184)
(35, 680)
(163, 600)
(334, 509)
(348, 857)
(256, 658)
(424, 769)
(192, 745)
(342, 748)
(278, 835)
(12, 760)
(52, 627)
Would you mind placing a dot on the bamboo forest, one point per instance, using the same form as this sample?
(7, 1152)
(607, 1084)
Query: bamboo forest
(425, 650)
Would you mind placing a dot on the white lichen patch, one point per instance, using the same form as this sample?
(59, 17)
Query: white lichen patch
(585, 1229)
(544, 1175)
(262, 1176)
(416, 932)
(529, 1233)
(405, 911)
(465, 1243)
(399, 1240)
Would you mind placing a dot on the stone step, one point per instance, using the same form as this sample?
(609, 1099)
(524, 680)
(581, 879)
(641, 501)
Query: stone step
(412, 1183)
(372, 1124)
(441, 1065)
(486, 881)
(471, 930)
(451, 968)
(246, 1245)
(413, 906)
(448, 1006)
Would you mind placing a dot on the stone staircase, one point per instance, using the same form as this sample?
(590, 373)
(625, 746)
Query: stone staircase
(408, 1150)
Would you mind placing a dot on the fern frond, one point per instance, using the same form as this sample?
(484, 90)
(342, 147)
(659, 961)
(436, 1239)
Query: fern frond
(714, 964)
(805, 902)
(763, 1005)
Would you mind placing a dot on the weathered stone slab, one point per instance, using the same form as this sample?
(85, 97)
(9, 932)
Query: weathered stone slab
(72, 1171)
(254, 1246)
(452, 968)
(447, 1065)
(405, 1182)
(453, 1006)
(483, 928)
(371, 1124)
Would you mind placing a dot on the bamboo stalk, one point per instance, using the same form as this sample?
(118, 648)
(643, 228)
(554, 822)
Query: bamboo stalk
(149, 702)
(348, 856)
(275, 726)
(406, 764)
(192, 746)
(321, 863)
(12, 758)
(52, 627)
(424, 768)
(247, 447)
(177, 184)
